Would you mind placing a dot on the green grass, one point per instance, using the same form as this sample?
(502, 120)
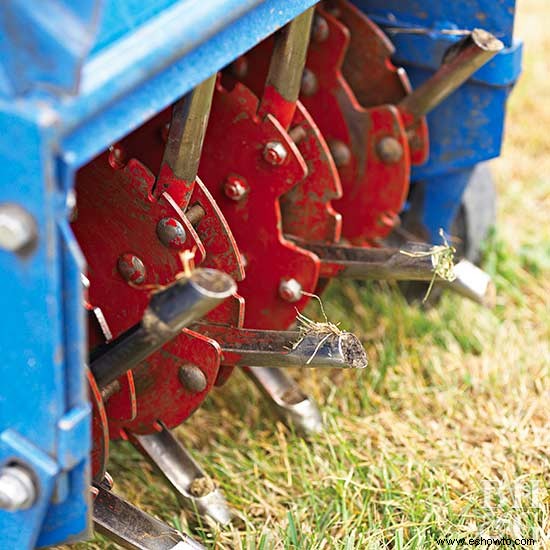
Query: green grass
(448, 423)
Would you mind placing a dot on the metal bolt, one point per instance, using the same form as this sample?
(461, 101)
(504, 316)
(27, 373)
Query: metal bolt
(192, 378)
(290, 290)
(308, 85)
(171, 232)
(164, 132)
(17, 228)
(17, 489)
(275, 153)
(239, 67)
(131, 268)
(340, 152)
(235, 188)
(320, 29)
(117, 157)
(388, 219)
(389, 150)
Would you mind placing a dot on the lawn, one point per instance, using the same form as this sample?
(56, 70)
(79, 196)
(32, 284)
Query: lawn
(445, 434)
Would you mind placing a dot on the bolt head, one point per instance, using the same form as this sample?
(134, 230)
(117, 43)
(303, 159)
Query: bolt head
(340, 152)
(117, 157)
(17, 228)
(171, 233)
(389, 150)
(235, 188)
(275, 153)
(388, 219)
(308, 85)
(239, 67)
(290, 290)
(131, 269)
(320, 29)
(17, 488)
(192, 378)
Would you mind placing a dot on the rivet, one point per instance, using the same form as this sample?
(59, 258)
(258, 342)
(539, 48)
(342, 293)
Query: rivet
(389, 150)
(192, 378)
(117, 157)
(308, 85)
(340, 152)
(320, 29)
(131, 268)
(171, 232)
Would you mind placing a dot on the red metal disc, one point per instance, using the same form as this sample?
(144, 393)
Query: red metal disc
(118, 216)
(374, 190)
(372, 76)
(236, 146)
(100, 431)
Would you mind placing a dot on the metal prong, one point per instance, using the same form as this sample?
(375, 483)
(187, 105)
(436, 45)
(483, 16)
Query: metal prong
(460, 62)
(194, 489)
(473, 283)
(412, 262)
(286, 68)
(132, 528)
(169, 311)
(272, 348)
(287, 400)
(185, 138)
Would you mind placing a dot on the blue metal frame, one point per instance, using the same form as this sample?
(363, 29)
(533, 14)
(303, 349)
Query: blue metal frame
(59, 107)
(466, 128)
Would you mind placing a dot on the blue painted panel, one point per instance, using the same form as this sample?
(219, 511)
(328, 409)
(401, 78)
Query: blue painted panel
(43, 341)
(465, 129)
(120, 18)
(442, 199)
(120, 102)
(43, 44)
(497, 16)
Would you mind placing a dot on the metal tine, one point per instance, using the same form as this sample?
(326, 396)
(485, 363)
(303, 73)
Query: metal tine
(460, 62)
(185, 138)
(318, 345)
(411, 262)
(286, 67)
(169, 311)
(195, 491)
(292, 406)
(473, 283)
(132, 528)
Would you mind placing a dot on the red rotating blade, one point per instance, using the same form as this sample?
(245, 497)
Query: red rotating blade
(237, 148)
(117, 214)
(306, 209)
(374, 189)
(372, 76)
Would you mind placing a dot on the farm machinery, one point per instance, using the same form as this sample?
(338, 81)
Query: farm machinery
(180, 180)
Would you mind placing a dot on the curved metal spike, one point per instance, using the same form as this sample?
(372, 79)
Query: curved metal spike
(195, 491)
(132, 528)
(293, 407)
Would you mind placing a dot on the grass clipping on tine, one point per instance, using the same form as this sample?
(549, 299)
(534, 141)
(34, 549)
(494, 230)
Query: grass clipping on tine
(308, 327)
(442, 261)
